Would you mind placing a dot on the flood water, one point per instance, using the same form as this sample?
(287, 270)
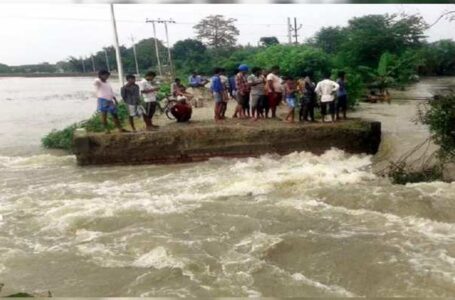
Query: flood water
(297, 225)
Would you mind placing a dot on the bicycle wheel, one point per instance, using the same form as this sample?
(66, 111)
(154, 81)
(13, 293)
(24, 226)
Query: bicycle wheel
(169, 105)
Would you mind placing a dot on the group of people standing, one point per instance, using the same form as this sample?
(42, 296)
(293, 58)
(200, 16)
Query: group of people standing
(259, 93)
(131, 93)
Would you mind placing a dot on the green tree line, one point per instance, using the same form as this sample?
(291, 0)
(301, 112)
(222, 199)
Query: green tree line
(374, 50)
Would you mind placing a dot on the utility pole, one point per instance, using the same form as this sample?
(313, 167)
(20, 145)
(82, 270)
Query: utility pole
(135, 55)
(107, 61)
(156, 45)
(83, 65)
(117, 50)
(289, 29)
(168, 45)
(93, 64)
(295, 29)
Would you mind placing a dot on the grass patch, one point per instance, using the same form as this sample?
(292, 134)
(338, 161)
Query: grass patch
(63, 139)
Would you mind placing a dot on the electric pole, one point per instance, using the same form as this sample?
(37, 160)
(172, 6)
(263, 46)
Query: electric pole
(156, 45)
(289, 29)
(83, 65)
(93, 64)
(168, 45)
(117, 49)
(135, 55)
(107, 61)
(295, 29)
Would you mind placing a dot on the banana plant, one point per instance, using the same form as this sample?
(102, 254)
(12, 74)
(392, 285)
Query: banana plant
(389, 71)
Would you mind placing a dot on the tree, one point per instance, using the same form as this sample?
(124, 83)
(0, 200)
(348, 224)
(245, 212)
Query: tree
(189, 54)
(294, 60)
(368, 37)
(438, 58)
(217, 31)
(4, 69)
(330, 39)
(391, 70)
(268, 41)
(189, 49)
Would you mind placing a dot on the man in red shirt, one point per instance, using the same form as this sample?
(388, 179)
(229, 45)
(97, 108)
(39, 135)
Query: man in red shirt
(182, 110)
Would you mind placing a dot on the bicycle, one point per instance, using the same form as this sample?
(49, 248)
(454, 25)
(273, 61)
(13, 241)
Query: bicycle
(169, 102)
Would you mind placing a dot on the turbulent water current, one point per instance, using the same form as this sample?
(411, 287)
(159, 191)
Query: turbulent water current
(296, 225)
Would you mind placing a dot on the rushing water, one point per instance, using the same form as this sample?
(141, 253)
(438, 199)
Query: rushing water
(297, 225)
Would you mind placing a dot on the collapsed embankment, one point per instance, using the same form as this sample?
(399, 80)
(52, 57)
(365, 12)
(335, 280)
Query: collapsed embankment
(198, 141)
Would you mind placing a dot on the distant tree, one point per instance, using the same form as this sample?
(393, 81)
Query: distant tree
(189, 54)
(188, 48)
(4, 69)
(438, 58)
(330, 39)
(217, 32)
(368, 37)
(268, 41)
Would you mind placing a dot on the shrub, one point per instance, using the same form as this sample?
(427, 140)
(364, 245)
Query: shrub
(63, 139)
(59, 139)
(439, 115)
(401, 174)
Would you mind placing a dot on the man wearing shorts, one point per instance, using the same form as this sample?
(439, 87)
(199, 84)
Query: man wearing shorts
(148, 90)
(107, 103)
(275, 93)
(256, 82)
(132, 97)
(243, 92)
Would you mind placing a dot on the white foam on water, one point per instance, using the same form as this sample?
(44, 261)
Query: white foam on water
(103, 255)
(62, 210)
(36, 161)
(257, 243)
(333, 289)
(158, 258)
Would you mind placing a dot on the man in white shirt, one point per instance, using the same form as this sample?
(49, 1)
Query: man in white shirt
(107, 103)
(326, 89)
(274, 89)
(148, 90)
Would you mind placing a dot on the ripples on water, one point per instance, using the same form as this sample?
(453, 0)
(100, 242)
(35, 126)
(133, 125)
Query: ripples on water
(273, 226)
(298, 225)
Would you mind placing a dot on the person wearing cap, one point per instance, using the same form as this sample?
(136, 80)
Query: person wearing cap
(107, 103)
(243, 92)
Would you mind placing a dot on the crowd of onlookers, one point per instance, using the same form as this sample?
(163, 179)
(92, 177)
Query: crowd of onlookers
(257, 94)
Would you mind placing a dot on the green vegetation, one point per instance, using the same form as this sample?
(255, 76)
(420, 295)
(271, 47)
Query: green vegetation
(402, 175)
(439, 115)
(63, 139)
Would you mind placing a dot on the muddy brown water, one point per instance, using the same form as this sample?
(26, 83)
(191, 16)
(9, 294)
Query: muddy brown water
(297, 225)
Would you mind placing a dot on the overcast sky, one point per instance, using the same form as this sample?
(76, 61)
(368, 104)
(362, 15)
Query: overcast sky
(51, 32)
